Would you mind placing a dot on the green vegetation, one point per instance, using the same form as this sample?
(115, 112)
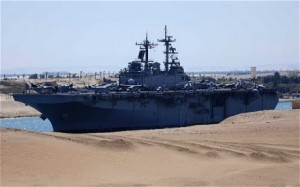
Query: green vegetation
(284, 84)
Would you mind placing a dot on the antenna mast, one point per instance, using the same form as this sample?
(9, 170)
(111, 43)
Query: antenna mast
(167, 40)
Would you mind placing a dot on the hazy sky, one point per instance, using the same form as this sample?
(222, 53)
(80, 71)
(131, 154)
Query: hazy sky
(95, 36)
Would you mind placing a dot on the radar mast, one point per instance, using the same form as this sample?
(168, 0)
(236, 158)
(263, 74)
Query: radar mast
(144, 49)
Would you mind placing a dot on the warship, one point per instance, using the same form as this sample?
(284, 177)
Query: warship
(147, 97)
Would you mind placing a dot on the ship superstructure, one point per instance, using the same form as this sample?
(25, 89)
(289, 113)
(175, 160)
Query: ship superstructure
(153, 98)
(148, 73)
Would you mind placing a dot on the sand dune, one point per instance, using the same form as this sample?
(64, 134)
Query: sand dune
(253, 149)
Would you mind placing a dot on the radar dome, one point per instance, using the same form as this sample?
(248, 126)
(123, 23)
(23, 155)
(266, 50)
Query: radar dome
(131, 82)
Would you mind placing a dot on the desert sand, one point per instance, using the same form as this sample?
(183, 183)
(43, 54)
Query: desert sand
(252, 149)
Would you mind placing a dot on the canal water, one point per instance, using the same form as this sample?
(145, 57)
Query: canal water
(27, 123)
(38, 125)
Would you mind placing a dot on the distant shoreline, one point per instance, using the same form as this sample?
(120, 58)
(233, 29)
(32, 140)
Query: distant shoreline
(288, 100)
(21, 116)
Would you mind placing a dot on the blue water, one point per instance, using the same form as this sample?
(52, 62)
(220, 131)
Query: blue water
(37, 124)
(27, 123)
(284, 105)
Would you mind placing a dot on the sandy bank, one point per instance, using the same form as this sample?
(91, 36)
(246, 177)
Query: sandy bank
(254, 149)
(11, 108)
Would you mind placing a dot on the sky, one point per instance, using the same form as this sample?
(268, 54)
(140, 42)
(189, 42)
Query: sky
(93, 36)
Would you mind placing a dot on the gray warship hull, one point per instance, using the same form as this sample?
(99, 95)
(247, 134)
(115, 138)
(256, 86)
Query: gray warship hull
(144, 110)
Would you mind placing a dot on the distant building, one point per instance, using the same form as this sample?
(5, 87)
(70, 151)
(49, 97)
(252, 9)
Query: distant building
(253, 72)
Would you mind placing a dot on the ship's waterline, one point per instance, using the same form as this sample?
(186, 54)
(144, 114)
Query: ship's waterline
(39, 125)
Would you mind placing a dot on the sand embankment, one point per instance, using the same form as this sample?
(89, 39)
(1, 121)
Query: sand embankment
(11, 108)
(253, 149)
